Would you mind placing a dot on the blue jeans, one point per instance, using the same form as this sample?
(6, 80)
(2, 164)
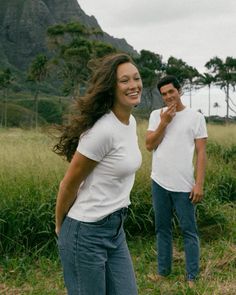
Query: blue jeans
(164, 202)
(95, 257)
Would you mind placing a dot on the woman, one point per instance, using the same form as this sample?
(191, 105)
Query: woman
(94, 194)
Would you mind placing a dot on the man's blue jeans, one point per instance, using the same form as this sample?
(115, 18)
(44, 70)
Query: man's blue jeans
(95, 257)
(164, 202)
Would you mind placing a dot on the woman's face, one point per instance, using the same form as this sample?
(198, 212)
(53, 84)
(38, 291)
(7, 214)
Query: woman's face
(128, 86)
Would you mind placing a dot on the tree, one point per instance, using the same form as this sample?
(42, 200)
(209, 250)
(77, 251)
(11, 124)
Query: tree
(101, 49)
(6, 79)
(225, 76)
(192, 75)
(187, 75)
(38, 71)
(151, 68)
(217, 106)
(177, 68)
(207, 79)
(72, 48)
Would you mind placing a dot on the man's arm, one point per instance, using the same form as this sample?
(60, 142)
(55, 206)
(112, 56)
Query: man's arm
(154, 138)
(197, 191)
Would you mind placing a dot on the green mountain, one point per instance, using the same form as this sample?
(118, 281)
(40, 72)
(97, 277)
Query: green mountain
(23, 26)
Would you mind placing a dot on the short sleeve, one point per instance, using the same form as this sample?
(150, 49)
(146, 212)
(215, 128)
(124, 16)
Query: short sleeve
(96, 143)
(201, 131)
(154, 120)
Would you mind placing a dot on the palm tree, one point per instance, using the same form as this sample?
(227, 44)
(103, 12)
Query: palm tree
(225, 74)
(207, 80)
(217, 106)
(38, 71)
(6, 79)
(192, 75)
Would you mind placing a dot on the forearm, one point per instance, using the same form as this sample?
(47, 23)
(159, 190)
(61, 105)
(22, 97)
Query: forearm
(200, 167)
(78, 170)
(65, 200)
(154, 138)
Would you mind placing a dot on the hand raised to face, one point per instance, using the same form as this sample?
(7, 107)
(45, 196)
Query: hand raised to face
(169, 113)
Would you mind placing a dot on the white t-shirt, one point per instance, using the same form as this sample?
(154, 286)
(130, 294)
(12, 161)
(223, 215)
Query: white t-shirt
(107, 188)
(172, 161)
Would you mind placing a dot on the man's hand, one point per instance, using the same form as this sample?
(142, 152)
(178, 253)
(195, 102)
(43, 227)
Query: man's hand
(168, 115)
(196, 194)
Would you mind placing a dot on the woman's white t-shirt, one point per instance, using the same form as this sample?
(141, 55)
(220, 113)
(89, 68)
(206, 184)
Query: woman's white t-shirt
(172, 161)
(107, 188)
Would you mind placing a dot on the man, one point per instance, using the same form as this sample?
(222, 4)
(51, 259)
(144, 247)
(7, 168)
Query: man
(173, 134)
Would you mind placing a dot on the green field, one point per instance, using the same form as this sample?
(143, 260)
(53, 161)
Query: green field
(29, 176)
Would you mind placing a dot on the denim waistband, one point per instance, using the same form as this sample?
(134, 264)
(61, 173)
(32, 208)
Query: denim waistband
(122, 211)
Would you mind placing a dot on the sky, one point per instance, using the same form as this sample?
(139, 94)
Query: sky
(193, 30)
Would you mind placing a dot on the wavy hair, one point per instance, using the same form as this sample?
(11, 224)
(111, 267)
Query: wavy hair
(169, 79)
(97, 101)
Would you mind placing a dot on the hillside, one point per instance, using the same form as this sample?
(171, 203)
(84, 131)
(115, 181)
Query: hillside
(23, 25)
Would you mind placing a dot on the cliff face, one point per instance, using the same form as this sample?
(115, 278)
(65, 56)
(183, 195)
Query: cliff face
(23, 26)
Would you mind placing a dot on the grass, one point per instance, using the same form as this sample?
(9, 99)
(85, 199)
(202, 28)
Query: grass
(222, 134)
(218, 272)
(29, 177)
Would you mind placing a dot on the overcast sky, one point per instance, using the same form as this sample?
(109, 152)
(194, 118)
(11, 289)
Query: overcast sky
(193, 30)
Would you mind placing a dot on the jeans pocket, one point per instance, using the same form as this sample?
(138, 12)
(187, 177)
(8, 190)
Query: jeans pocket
(64, 232)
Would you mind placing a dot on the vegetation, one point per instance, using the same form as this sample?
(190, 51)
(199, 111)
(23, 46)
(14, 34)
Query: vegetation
(38, 72)
(29, 176)
(5, 83)
(72, 50)
(66, 71)
(224, 74)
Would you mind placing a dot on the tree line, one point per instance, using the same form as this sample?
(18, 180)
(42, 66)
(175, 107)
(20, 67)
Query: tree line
(73, 45)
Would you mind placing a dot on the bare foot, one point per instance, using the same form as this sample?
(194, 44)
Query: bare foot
(191, 284)
(156, 277)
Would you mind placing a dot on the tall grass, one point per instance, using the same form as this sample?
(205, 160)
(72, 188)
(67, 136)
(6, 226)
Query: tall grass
(29, 177)
(30, 173)
(222, 134)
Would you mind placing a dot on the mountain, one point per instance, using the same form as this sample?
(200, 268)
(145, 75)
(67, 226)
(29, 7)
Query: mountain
(23, 26)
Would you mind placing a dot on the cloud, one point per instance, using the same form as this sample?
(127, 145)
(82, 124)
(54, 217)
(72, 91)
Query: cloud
(193, 30)
(139, 13)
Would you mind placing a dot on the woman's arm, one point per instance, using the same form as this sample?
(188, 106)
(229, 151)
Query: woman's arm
(80, 167)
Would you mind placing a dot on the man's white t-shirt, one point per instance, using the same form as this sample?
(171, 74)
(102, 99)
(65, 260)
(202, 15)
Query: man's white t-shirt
(172, 161)
(107, 188)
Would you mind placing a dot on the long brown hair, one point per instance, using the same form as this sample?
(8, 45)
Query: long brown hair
(97, 101)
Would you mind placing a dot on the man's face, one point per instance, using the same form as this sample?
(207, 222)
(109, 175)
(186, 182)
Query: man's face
(170, 94)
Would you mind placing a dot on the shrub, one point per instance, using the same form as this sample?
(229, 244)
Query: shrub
(18, 116)
(51, 110)
(28, 191)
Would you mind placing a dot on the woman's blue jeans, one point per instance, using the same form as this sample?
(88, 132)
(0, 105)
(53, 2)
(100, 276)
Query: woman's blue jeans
(95, 257)
(164, 203)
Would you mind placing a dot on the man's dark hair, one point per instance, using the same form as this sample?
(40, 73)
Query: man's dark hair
(169, 79)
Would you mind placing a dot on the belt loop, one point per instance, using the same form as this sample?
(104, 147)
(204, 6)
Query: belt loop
(124, 212)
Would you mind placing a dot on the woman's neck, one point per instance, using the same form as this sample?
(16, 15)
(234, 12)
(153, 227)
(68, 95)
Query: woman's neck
(122, 115)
